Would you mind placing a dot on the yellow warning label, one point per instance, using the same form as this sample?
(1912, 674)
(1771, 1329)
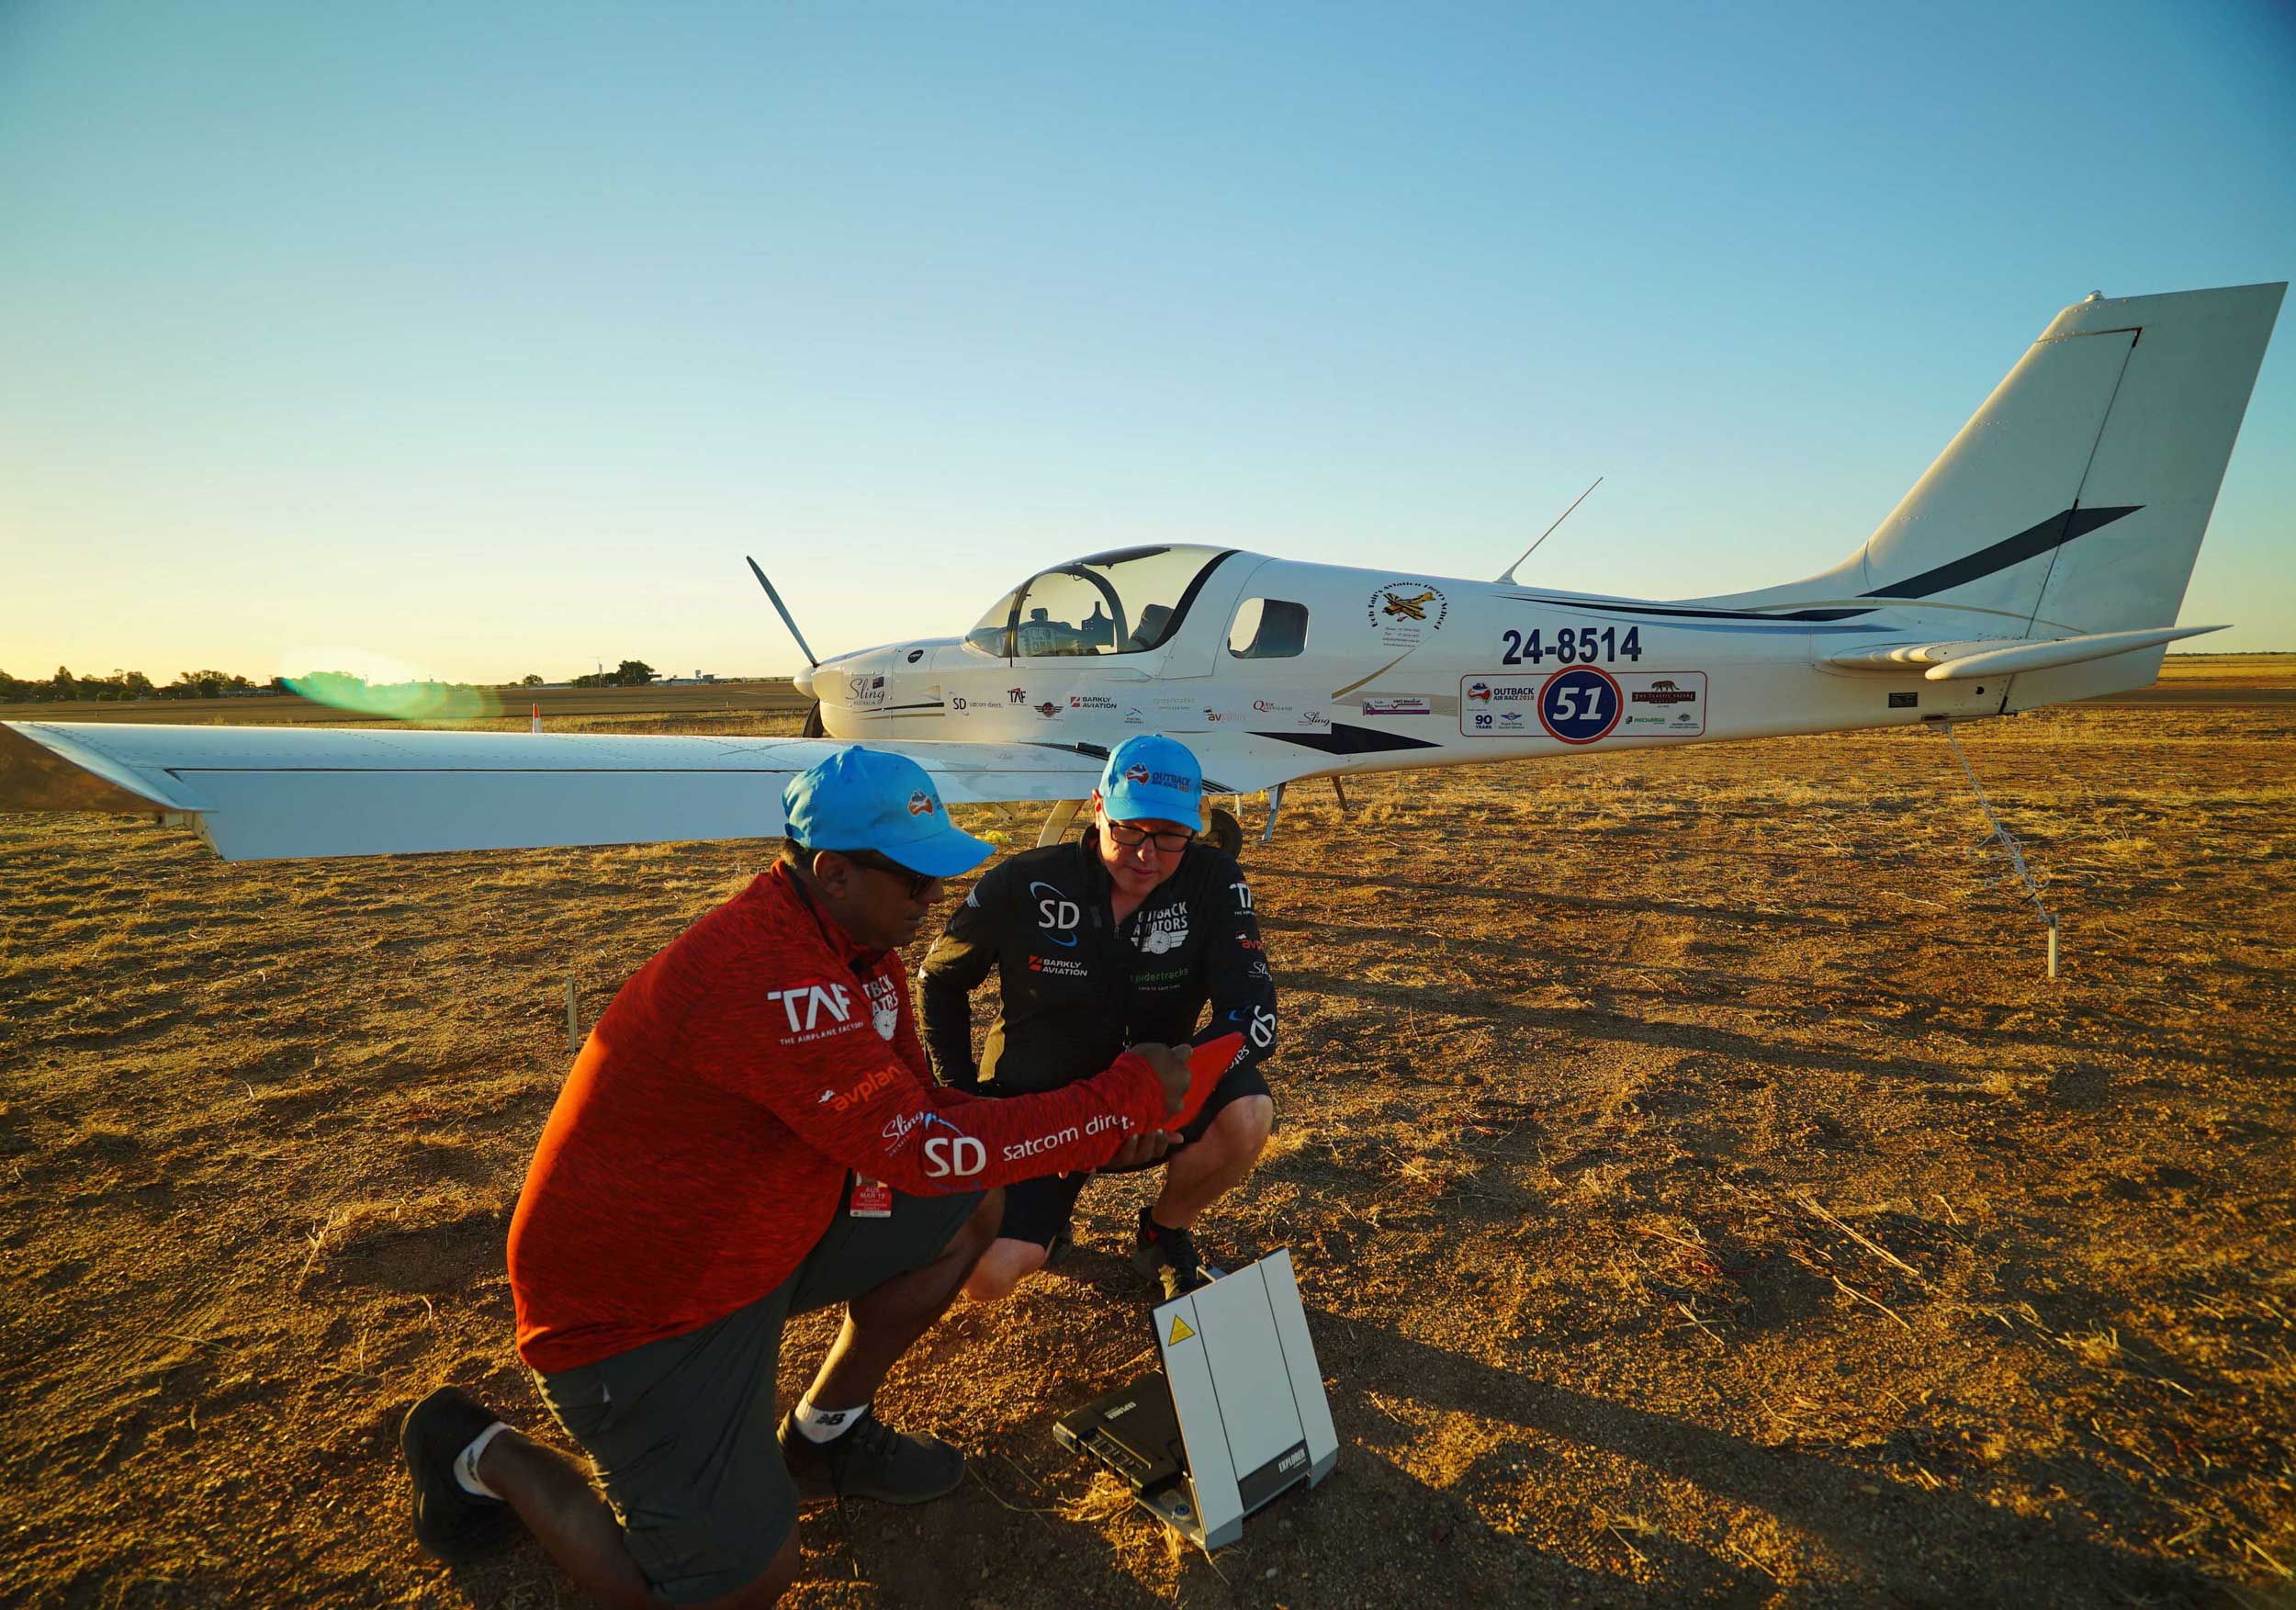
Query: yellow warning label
(1180, 1332)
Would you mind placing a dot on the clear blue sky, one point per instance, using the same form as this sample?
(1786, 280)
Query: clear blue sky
(487, 338)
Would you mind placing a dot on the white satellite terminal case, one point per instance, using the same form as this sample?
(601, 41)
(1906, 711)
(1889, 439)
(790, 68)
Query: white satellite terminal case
(1238, 1415)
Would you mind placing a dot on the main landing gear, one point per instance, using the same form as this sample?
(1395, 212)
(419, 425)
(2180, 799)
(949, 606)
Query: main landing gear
(1224, 832)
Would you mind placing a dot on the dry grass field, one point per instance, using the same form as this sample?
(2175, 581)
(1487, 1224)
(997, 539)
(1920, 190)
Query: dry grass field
(1700, 1194)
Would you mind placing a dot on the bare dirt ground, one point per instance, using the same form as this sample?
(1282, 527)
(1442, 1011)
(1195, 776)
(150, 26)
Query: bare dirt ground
(1699, 1192)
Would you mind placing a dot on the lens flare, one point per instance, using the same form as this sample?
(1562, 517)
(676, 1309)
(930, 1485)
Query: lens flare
(373, 685)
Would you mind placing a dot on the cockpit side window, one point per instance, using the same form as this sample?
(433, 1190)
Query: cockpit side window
(1268, 628)
(1129, 600)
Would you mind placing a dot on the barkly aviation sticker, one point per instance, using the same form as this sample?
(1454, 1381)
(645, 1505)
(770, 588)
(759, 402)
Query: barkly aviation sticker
(1583, 704)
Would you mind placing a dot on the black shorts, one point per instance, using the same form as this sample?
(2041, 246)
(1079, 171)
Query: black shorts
(682, 1430)
(1039, 1209)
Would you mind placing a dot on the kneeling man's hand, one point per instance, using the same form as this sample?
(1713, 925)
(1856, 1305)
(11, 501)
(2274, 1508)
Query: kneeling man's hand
(1171, 1066)
(1140, 1150)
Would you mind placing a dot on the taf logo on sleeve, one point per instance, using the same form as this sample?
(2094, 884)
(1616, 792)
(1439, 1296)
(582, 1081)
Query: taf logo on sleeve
(815, 1010)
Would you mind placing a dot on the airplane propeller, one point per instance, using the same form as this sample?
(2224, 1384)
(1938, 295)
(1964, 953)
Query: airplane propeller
(813, 727)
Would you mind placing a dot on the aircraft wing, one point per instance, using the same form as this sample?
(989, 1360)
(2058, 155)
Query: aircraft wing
(279, 792)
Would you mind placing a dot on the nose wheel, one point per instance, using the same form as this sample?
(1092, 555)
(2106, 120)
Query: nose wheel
(1224, 832)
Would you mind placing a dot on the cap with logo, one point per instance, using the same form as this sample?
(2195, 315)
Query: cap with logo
(1153, 777)
(865, 799)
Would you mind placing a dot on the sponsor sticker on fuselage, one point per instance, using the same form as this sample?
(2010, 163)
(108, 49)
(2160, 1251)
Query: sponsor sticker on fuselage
(1583, 704)
(1405, 613)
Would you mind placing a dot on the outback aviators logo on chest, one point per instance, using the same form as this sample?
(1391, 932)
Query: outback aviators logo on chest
(1158, 931)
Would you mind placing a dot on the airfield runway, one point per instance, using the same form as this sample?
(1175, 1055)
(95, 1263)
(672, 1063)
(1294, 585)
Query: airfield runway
(1699, 1194)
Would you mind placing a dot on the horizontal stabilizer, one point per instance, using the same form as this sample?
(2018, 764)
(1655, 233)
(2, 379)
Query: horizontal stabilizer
(280, 793)
(1940, 662)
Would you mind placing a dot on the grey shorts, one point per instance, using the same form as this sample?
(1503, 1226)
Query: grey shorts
(681, 1431)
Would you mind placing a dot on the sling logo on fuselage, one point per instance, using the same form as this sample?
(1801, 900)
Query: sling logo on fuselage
(1056, 913)
(957, 1155)
(807, 1002)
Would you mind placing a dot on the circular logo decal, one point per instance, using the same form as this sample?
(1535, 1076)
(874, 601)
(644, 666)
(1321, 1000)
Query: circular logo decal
(1579, 705)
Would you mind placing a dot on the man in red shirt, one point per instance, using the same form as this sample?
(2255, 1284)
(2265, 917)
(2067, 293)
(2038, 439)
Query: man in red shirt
(753, 1131)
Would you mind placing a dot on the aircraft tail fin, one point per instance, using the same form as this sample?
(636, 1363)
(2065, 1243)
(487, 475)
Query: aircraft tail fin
(2074, 500)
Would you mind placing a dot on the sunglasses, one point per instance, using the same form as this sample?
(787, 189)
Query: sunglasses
(1128, 837)
(917, 883)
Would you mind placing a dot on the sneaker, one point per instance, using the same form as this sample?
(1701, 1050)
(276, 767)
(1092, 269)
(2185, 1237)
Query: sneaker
(871, 1460)
(450, 1523)
(1170, 1257)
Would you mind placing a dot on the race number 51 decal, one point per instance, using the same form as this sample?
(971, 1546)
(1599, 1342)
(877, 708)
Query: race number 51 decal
(1580, 705)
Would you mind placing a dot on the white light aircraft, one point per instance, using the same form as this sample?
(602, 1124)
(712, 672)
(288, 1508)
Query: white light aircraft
(2042, 558)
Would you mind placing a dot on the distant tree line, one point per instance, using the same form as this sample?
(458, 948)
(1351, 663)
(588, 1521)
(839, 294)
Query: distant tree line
(65, 688)
(630, 673)
(132, 684)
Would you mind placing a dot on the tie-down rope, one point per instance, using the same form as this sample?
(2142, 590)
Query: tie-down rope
(2015, 851)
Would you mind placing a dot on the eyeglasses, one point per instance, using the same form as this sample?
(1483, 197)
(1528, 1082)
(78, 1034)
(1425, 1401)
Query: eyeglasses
(917, 884)
(1128, 837)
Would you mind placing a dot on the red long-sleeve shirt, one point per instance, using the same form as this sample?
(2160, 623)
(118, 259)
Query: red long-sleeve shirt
(698, 1147)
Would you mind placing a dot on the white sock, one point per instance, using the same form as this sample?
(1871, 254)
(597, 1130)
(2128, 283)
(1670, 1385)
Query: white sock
(825, 1425)
(467, 1463)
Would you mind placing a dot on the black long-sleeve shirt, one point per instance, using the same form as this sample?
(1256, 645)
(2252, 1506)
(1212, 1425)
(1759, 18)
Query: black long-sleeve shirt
(1077, 987)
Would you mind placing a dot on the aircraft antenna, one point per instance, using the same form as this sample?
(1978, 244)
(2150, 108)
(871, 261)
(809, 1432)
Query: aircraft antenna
(1508, 574)
(786, 619)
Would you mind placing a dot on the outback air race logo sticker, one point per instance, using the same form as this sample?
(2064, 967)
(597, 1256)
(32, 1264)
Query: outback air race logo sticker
(1406, 612)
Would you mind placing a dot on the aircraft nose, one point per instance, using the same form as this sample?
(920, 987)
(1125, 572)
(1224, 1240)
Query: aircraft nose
(803, 680)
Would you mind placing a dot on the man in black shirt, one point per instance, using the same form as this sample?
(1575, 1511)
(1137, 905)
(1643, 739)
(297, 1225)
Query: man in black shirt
(1124, 937)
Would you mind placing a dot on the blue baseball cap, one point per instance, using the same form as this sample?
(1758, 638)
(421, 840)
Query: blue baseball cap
(1153, 777)
(864, 799)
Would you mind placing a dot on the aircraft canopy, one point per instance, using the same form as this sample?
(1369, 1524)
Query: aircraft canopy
(1128, 601)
